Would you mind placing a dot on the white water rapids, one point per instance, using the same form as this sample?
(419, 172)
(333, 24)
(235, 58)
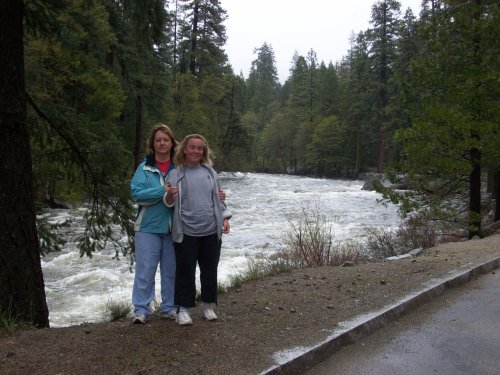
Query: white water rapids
(78, 288)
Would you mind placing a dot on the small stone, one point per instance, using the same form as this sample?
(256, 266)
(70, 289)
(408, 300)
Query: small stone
(329, 307)
(383, 282)
(293, 311)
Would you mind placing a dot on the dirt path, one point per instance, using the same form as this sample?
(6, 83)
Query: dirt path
(256, 321)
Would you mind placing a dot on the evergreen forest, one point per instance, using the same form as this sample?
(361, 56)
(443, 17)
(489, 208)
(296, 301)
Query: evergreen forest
(414, 96)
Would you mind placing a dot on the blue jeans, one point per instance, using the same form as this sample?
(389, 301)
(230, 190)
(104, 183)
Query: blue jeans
(152, 249)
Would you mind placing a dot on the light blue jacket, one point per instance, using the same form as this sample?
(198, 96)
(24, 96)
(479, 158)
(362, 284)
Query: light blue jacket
(148, 187)
(175, 178)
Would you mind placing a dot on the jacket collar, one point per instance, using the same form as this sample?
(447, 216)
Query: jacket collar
(150, 160)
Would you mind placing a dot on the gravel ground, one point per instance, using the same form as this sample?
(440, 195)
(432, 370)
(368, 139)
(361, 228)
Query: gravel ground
(256, 321)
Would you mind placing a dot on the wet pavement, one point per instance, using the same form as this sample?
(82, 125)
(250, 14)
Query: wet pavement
(456, 333)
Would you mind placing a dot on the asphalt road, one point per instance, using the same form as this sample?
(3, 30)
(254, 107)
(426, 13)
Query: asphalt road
(456, 333)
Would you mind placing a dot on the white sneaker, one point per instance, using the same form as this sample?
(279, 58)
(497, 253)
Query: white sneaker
(183, 318)
(208, 312)
(140, 319)
(168, 315)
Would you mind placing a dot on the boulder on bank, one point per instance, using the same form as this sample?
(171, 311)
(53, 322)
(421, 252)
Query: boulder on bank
(56, 203)
(371, 177)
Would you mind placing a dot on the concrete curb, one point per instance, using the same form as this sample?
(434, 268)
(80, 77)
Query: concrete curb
(314, 355)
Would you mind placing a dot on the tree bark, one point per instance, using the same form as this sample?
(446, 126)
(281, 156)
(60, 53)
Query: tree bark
(496, 195)
(194, 40)
(475, 193)
(138, 128)
(22, 291)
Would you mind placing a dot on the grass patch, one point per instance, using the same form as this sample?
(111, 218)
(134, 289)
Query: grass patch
(10, 323)
(117, 309)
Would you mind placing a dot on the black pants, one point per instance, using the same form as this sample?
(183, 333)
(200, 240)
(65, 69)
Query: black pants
(206, 251)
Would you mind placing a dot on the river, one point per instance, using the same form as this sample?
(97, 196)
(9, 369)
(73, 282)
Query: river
(78, 288)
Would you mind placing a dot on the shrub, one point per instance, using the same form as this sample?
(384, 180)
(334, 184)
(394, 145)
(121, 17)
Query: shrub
(380, 242)
(347, 252)
(308, 242)
(115, 310)
(418, 231)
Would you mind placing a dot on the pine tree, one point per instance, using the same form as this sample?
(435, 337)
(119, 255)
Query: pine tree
(356, 105)
(455, 93)
(383, 38)
(262, 82)
(202, 36)
(328, 90)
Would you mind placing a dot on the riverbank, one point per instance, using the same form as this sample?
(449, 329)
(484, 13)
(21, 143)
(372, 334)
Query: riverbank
(260, 324)
(258, 227)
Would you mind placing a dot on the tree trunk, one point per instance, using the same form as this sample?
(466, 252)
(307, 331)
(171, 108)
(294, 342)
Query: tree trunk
(194, 39)
(475, 153)
(490, 180)
(22, 291)
(475, 193)
(357, 168)
(496, 194)
(381, 147)
(138, 129)
(174, 52)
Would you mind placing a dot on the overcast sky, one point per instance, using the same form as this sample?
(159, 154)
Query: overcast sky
(295, 25)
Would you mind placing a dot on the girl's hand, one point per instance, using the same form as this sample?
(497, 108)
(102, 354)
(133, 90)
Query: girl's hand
(171, 191)
(226, 226)
(222, 195)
